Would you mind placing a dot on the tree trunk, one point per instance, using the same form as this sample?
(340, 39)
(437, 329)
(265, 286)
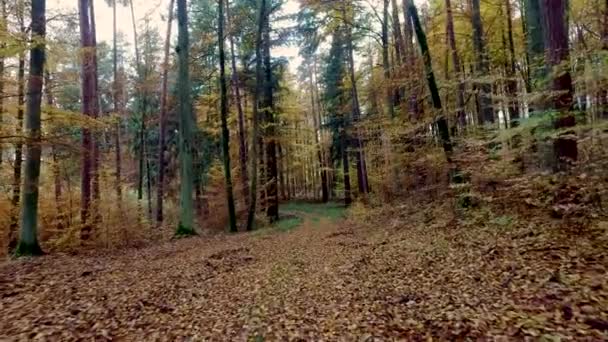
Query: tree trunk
(268, 104)
(184, 107)
(117, 111)
(241, 115)
(95, 137)
(603, 102)
(345, 167)
(88, 98)
(28, 240)
(535, 43)
(315, 117)
(486, 115)
(224, 118)
(511, 81)
(3, 27)
(442, 124)
(255, 117)
(390, 110)
(397, 36)
(557, 56)
(160, 192)
(54, 153)
(461, 114)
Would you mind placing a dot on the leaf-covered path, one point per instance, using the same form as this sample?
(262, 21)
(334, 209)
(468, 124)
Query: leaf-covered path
(324, 279)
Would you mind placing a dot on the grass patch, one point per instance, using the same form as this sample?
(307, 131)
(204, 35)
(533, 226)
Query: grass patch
(332, 211)
(288, 223)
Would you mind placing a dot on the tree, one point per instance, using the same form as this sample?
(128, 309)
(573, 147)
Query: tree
(442, 124)
(88, 107)
(557, 56)
(362, 181)
(272, 198)
(486, 113)
(160, 191)
(184, 108)
(18, 163)
(255, 118)
(117, 109)
(461, 115)
(3, 28)
(510, 70)
(236, 86)
(224, 118)
(28, 240)
(535, 43)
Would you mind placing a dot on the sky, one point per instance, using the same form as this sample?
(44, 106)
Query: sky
(156, 10)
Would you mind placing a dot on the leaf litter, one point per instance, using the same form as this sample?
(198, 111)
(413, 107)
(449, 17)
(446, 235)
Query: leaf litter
(423, 274)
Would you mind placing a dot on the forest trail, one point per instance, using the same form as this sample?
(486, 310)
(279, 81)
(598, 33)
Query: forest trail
(282, 280)
(317, 275)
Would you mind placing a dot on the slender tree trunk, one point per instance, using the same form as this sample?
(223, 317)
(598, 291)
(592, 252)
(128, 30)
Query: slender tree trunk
(117, 111)
(88, 98)
(511, 81)
(241, 115)
(461, 115)
(603, 93)
(356, 110)
(160, 192)
(390, 110)
(324, 189)
(3, 27)
(28, 240)
(442, 125)
(143, 108)
(255, 118)
(54, 154)
(486, 115)
(96, 136)
(224, 118)
(184, 107)
(18, 163)
(345, 167)
(268, 104)
(557, 56)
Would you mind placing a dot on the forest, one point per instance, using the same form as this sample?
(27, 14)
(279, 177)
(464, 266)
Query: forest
(275, 170)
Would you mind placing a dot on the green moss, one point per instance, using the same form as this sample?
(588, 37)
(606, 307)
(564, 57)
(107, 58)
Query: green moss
(25, 250)
(183, 231)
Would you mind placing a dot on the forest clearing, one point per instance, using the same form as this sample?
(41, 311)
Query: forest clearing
(269, 170)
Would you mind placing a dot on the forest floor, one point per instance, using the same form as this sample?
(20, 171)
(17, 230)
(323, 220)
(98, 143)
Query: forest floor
(402, 274)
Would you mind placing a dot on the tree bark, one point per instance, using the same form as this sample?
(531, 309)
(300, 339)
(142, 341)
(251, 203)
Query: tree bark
(557, 56)
(160, 191)
(18, 163)
(96, 136)
(255, 117)
(186, 220)
(390, 110)
(268, 104)
(362, 180)
(3, 27)
(511, 81)
(224, 118)
(240, 112)
(88, 98)
(28, 240)
(117, 111)
(461, 114)
(442, 124)
(486, 114)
